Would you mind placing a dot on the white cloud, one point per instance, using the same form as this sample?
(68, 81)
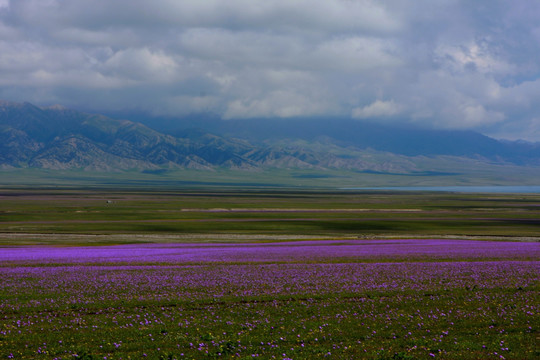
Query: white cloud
(142, 65)
(377, 109)
(471, 57)
(279, 103)
(449, 64)
(476, 115)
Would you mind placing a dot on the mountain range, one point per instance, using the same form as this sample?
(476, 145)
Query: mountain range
(59, 138)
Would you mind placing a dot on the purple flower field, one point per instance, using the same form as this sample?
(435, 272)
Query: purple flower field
(275, 252)
(347, 299)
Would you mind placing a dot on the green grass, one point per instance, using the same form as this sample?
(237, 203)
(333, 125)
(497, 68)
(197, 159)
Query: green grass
(48, 316)
(449, 321)
(458, 172)
(278, 212)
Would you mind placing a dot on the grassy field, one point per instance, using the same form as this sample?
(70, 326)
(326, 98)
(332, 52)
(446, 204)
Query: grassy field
(28, 216)
(355, 299)
(207, 273)
(464, 173)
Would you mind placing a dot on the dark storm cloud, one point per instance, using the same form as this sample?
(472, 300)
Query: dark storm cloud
(446, 63)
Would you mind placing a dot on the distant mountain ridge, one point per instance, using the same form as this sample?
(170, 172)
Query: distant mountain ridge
(59, 138)
(362, 135)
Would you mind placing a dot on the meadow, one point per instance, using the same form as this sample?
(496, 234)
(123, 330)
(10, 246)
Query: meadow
(273, 274)
(105, 215)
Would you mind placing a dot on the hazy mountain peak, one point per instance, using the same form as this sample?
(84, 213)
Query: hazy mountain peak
(60, 138)
(54, 107)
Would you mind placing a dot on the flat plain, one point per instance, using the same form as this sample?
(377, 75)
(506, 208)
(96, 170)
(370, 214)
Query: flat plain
(131, 274)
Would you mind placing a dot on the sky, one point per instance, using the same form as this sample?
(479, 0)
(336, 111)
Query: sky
(445, 64)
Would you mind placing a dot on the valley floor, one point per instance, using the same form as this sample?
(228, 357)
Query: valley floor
(268, 274)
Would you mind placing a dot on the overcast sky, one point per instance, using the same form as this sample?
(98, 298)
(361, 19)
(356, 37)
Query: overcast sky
(471, 64)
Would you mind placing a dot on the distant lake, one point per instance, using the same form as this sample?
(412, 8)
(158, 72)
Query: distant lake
(464, 189)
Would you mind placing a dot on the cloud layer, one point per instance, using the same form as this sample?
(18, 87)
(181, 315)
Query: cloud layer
(445, 64)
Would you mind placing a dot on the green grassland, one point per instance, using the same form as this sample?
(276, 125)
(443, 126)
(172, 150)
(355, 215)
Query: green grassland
(449, 172)
(271, 212)
(450, 323)
(480, 309)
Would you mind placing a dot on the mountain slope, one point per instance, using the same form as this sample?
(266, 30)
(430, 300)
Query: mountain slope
(344, 132)
(59, 138)
(347, 132)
